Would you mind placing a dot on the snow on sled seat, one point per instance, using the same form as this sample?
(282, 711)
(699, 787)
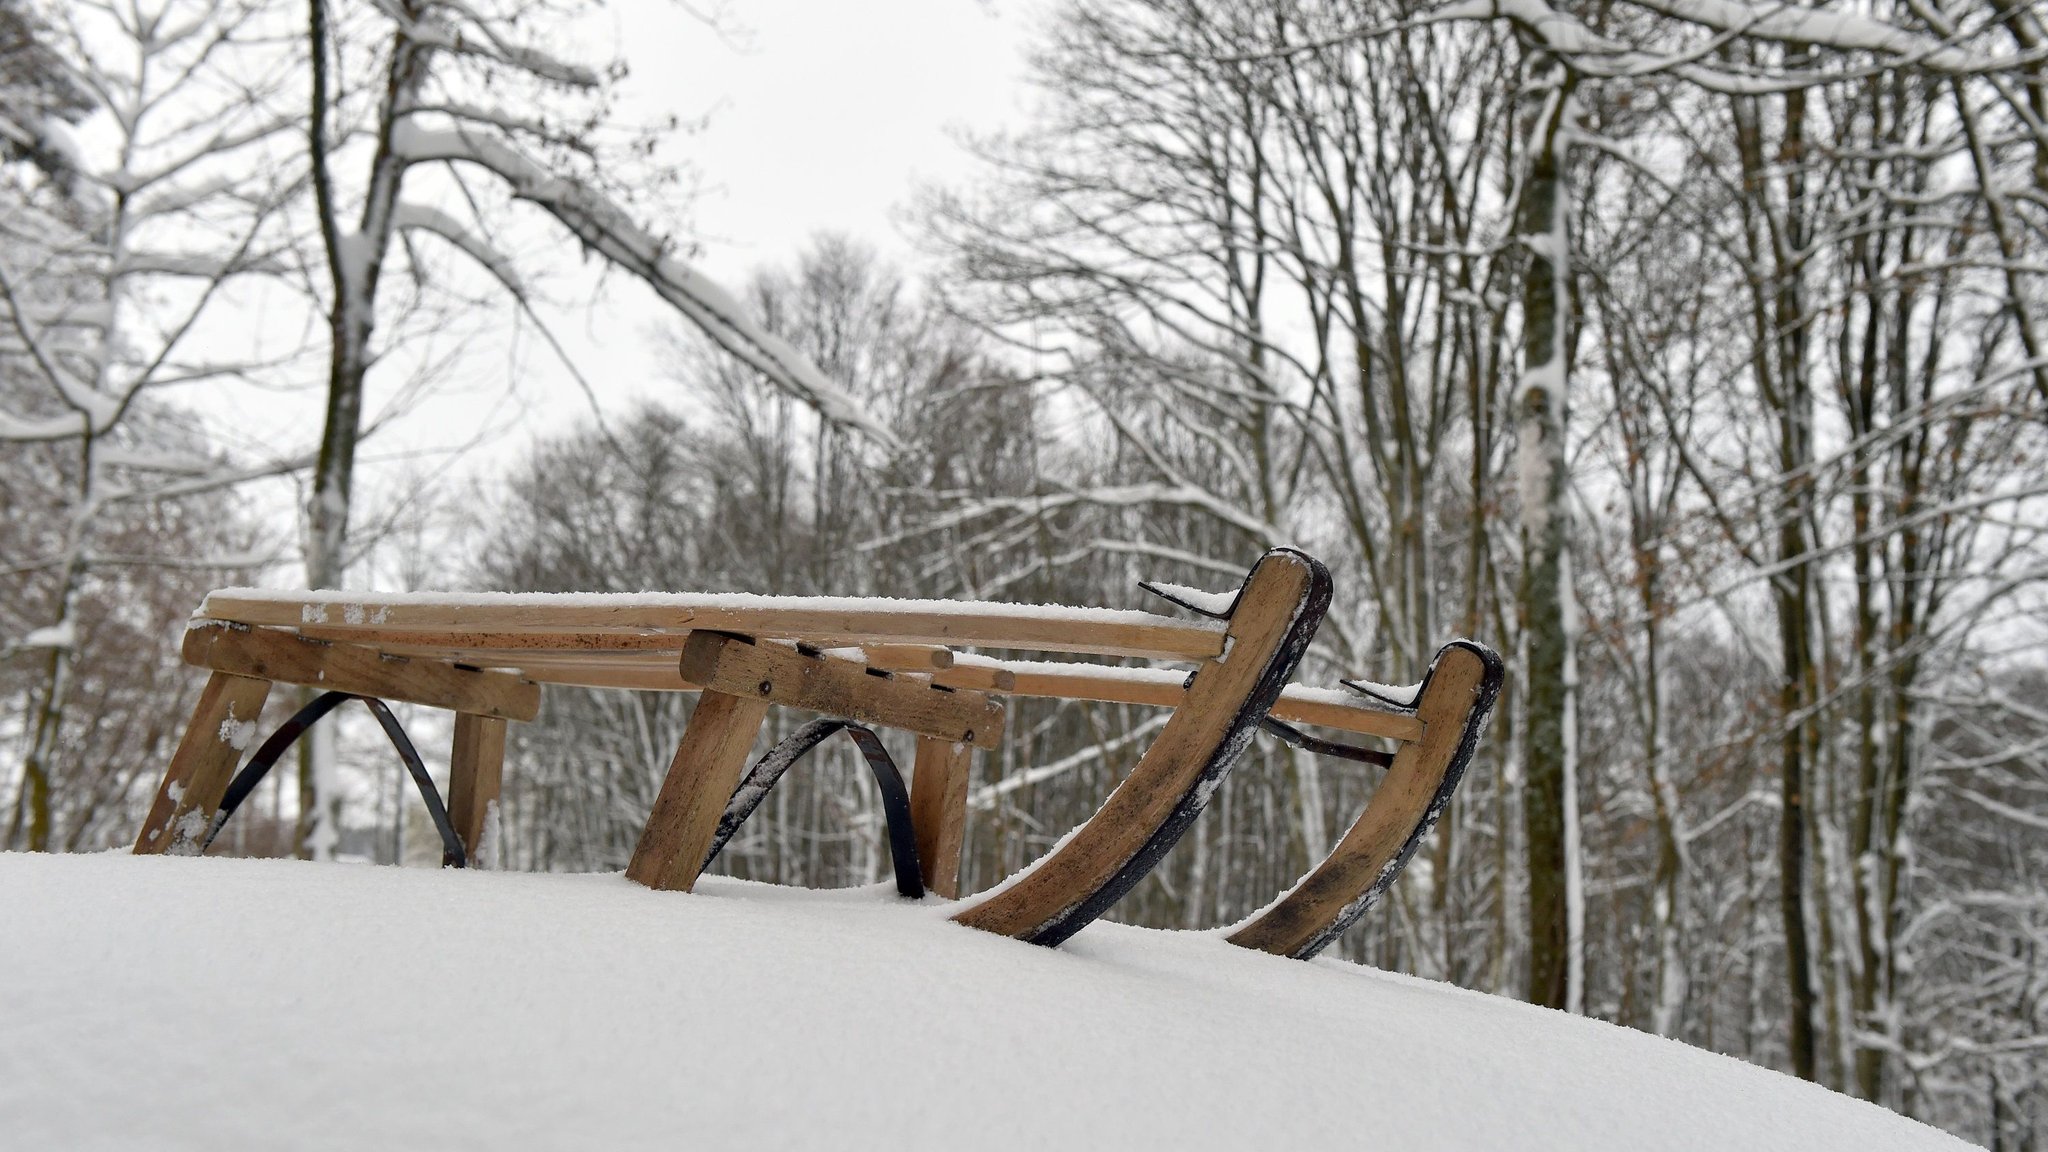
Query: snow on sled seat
(1270, 624)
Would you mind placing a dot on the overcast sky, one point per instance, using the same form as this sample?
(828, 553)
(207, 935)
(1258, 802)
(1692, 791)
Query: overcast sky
(822, 115)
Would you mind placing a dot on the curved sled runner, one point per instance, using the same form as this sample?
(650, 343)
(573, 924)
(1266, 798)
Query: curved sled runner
(1270, 625)
(1456, 697)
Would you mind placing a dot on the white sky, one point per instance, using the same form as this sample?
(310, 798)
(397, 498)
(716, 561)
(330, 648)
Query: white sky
(823, 115)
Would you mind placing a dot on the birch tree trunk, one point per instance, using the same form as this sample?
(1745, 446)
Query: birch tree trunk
(1555, 977)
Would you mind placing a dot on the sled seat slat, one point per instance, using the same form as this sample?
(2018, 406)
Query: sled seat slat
(655, 669)
(653, 665)
(599, 621)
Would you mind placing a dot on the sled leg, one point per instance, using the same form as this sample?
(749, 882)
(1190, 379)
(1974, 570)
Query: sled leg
(938, 809)
(223, 723)
(476, 767)
(1271, 623)
(1457, 696)
(700, 780)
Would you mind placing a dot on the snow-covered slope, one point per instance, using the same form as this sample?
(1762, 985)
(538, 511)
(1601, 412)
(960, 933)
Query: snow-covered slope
(230, 1004)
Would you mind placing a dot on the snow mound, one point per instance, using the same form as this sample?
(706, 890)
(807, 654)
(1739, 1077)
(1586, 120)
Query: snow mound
(239, 1004)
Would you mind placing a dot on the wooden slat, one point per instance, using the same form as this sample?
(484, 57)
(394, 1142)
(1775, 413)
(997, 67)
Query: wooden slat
(1158, 687)
(1044, 897)
(269, 654)
(656, 670)
(513, 622)
(1161, 687)
(701, 779)
(938, 809)
(998, 680)
(539, 658)
(784, 675)
(1299, 922)
(223, 726)
(497, 645)
(649, 664)
(905, 657)
(476, 766)
(629, 677)
(1297, 706)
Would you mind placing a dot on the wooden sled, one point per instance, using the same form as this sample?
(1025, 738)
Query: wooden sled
(865, 661)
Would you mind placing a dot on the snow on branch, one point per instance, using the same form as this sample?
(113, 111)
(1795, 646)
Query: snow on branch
(485, 43)
(23, 429)
(422, 218)
(986, 796)
(1836, 28)
(95, 411)
(198, 266)
(608, 230)
(1597, 54)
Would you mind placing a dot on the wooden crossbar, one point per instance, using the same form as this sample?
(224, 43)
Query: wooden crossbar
(1164, 688)
(284, 657)
(741, 666)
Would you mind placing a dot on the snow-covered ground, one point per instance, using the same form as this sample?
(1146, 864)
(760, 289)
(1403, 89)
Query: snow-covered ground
(239, 1004)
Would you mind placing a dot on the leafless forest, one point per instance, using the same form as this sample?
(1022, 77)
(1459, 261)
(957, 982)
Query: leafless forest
(1685, 351)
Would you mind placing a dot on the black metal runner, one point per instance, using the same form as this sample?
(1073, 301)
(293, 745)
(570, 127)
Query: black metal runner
(288, 733)
(895, 798)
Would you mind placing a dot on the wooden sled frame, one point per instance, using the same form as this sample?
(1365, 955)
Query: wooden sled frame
(874, 662)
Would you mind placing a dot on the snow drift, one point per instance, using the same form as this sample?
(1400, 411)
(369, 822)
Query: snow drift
(185, 1003)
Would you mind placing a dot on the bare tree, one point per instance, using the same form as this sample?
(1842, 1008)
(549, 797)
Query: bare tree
(109, 275)
(462, 115)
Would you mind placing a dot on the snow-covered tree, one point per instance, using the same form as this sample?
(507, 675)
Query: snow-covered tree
(115, 255)
(448, 123)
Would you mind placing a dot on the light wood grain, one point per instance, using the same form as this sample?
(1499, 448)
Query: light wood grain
(652, 669)
(997, 680)
(476, 766)
(1162, 688)
(539, 624)
(223, 726)
(938, 810)
(905, 657)
(1332, 890)
(1168, 771)
(819, 683)
(269, 654)
(701, 779)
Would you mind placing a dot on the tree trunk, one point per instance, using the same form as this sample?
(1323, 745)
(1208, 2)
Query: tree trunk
(354, 264)
(1546, 566)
